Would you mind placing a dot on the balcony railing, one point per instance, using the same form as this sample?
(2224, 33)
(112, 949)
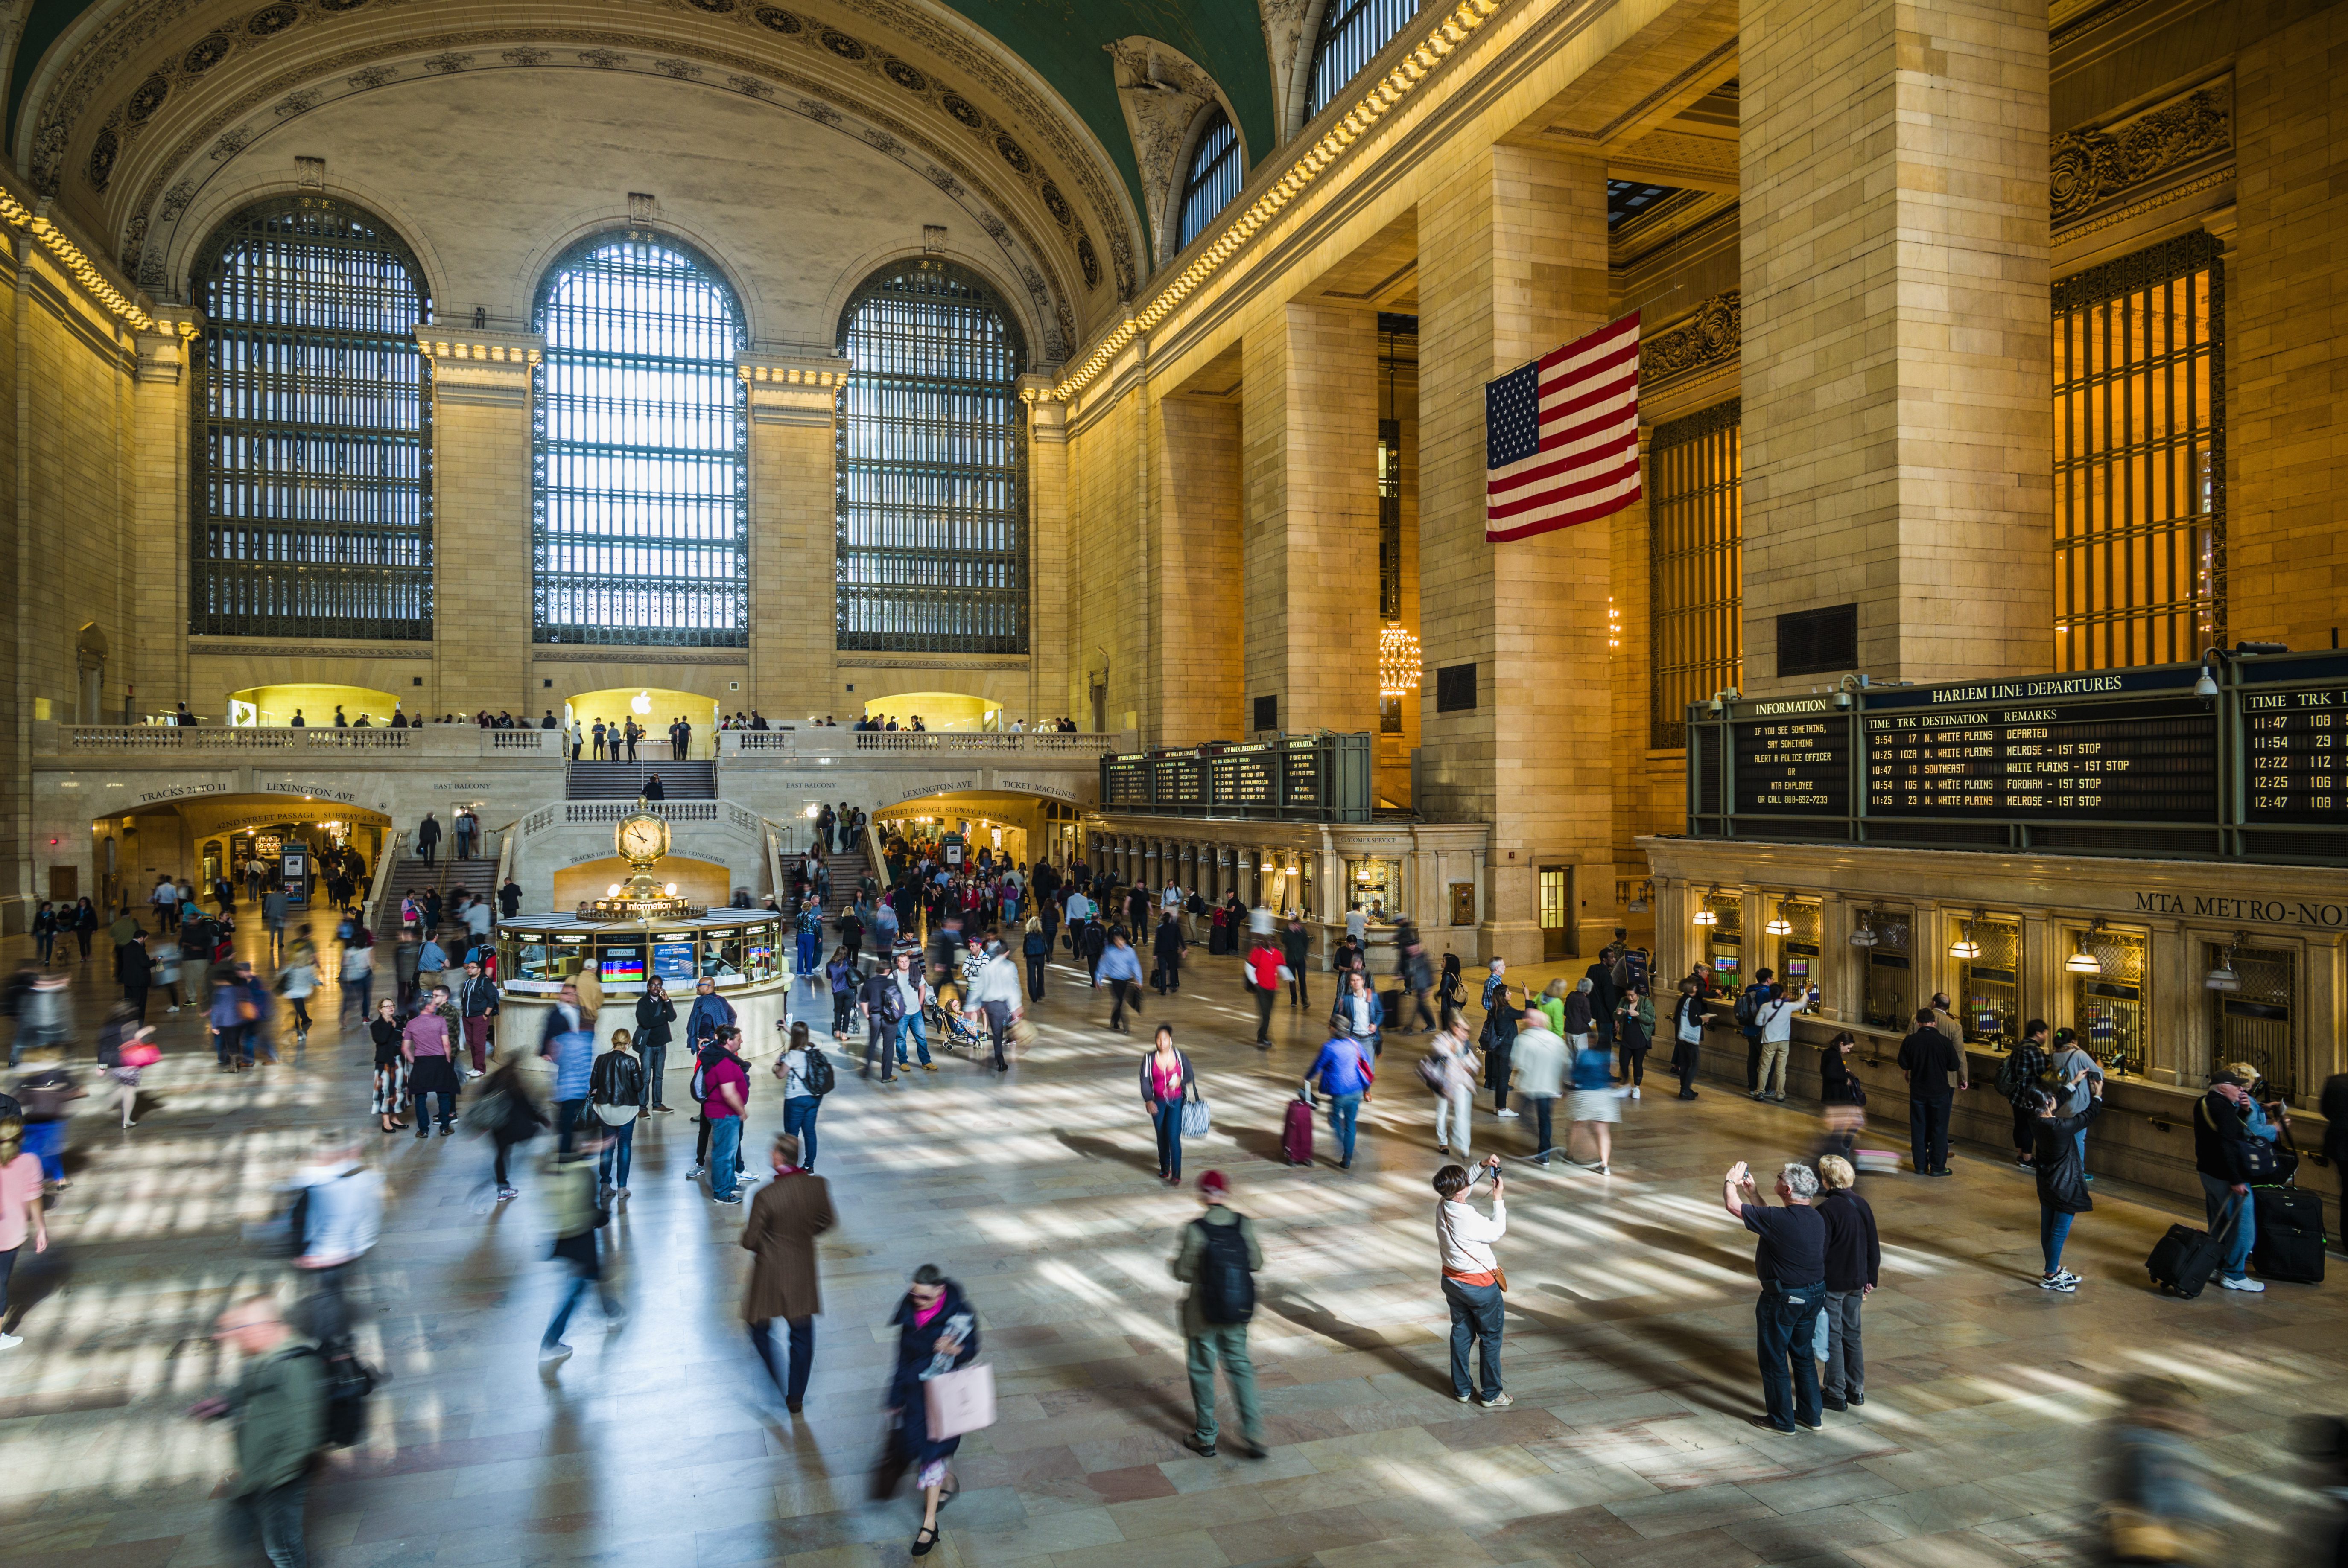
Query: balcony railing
(316, 740)
(754, 744)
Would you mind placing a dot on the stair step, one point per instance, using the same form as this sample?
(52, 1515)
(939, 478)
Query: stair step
(625, 780)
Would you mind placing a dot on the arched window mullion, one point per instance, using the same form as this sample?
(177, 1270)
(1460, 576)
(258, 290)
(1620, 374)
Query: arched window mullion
(640, 513)
(1352, 33)
(1217, 169)
(311, 501)
(932, 474)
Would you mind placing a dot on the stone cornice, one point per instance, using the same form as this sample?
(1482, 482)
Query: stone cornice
(2095, 168)
(1709, 339)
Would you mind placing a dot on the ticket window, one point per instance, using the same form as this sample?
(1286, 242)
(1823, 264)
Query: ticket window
(722, 955)
(1988, 950)
(551, 961)
(2107, 1003)
(1794, 947)
(1721, 942)
(1889, 970)
(1377, 886)
(2253, 1024)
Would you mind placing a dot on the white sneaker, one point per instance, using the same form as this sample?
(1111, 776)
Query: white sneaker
(10, 1341)
(2245, 1283)
(1635, 1093)
(1508, 1115)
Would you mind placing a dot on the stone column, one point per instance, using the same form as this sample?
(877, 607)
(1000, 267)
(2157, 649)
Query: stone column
(1512, 263)
(1198, 606)
(481, 552)
(1049, 557)
(794, 530)
(1898, 388)
(1309, 466)
(161, 423)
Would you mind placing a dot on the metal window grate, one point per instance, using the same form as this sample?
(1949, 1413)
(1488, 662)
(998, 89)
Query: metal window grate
(2108, 1010)
(932, 477)
(1216, 169)
(1352, 33)
(1694, 542)
(640, 499)
(310, 494)
(2140, 458)
(2254, 1024)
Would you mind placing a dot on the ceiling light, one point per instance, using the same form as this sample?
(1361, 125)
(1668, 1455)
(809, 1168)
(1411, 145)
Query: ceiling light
(1965, 948)
(2081, 961)
(1778, 926)
(2223, 978)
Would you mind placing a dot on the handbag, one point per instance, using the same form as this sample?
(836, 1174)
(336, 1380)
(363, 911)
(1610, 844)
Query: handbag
(1196, 1118)
(959, 1401)
(141, 1055)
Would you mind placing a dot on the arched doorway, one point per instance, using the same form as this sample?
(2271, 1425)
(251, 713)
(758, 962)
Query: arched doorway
(317, 701)
(202, 841)
(654, 709)
(938, 711)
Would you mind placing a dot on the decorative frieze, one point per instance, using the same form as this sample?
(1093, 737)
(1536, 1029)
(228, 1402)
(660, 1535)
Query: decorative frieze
(2091, 168)
(1708, 341)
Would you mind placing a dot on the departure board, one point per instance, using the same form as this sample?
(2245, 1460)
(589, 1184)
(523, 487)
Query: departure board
(2293, 770)
(1795, 766)
(2152, 759)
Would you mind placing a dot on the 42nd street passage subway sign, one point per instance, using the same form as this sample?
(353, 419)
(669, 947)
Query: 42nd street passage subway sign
(2117, 761)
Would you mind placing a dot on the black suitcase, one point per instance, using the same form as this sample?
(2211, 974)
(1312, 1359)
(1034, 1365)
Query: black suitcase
(2289, 1246)
(2183, 1260)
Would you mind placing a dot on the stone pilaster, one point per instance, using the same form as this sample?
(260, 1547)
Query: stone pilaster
(794, 530)
(1047, 552)
(160, 426)
(481, 554)
(1512, 263)
(1897, 345)
(1309, 542)
(1198, 525)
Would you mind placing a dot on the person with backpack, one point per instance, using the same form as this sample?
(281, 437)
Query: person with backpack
(884, 1006)
(2223, 1151)
(779, 1234)
(1345, 1071)
(340, 1203)
(1749, 1003)
(278, 1407)
(1687, 1037)
(2017, 1075)
(1775, 1016)
(615, 1096)
(807, 1078)
(1035, 947)
(1218, 1259)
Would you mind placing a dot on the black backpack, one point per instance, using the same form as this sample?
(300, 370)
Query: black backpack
(1226, 1289)
(817, 1072)
(1748, 1008)
(349, 1381)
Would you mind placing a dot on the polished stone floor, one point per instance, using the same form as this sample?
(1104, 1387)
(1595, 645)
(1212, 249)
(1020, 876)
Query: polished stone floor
(661, 1445)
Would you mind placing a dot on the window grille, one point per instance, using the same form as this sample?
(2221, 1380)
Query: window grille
(2107, 1009)
(1989, 988)
(1217, 167)
(641, 530)
(2140, 458)
(311, 495)
(1694, 543)
(1352, 33)
(1891, 999)
(933, 474)
(2254, 1024)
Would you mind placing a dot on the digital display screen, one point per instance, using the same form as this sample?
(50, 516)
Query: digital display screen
(672, 960)
(2291, 763)
(1797, 765)
(623, 965)
(2153, 760)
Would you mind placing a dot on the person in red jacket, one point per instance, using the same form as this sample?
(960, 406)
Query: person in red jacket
(1264, 978)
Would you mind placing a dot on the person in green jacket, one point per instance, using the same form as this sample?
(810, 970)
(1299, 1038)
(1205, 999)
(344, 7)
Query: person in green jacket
(1209, 1263)
(279, 1409)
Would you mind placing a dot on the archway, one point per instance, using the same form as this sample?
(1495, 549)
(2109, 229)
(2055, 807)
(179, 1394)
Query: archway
(654, 709)
(200, 841)
(1004, 826)
(937, 711)
(316, 700)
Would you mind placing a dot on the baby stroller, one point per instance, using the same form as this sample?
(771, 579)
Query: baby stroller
(960, 1034)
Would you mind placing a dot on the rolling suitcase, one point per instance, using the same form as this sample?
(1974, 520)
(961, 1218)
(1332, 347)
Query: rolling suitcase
(2289, 1244)
(2183, 1260)
(1297, 1132)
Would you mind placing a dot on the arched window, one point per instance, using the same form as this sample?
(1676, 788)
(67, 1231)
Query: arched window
(313, 432)
(640, 526)
(1216, 170)
(1352, 33)
(933, 466)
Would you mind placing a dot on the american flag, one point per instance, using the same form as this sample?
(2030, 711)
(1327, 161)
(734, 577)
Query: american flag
(1561, 436)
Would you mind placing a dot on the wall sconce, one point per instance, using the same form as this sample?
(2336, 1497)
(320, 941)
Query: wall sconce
(2081, 961)
(1704, 914)
(2223, 978)
(1778, 925)
(1964, 947)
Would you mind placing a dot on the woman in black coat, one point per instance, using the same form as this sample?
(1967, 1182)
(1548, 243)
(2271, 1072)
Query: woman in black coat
(2061, 1180)
(937, 1331)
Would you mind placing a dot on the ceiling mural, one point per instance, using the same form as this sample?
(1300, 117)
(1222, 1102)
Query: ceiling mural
(1163, 91)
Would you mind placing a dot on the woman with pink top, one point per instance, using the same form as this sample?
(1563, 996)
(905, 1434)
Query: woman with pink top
(424, 1044)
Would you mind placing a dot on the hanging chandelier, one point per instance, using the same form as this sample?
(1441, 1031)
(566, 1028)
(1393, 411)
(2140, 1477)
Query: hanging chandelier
(1397, 661)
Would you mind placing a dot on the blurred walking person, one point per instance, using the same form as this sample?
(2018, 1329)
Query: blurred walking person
(279, 1409)
(22, 1212)
(779, 1234)
(937, 1331)
(577, 1216)
(510, 1114)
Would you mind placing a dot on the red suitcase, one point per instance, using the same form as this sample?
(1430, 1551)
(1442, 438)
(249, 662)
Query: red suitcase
(1296, 1133)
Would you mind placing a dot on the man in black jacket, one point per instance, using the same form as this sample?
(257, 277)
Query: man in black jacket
(2220, 1154)
(1931, 1065)
(1168, 950)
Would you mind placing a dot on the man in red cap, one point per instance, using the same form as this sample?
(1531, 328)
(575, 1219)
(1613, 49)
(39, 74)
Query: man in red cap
(1218, 1260)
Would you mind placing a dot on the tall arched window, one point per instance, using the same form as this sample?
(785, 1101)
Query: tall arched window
(640, 526)
(1216, 169)
(1352, 33)
(933, 466)
(311, 500)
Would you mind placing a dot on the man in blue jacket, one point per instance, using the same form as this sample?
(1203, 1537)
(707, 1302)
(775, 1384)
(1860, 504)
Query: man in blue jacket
(1345, 1075)
(570, 1043)
(711, 1012)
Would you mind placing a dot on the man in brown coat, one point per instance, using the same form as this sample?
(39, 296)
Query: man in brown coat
(784, 1218)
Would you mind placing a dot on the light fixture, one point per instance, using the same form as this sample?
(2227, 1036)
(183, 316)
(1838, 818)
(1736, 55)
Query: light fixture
(1865, 936)
(1778, 925)
(2081, 961)
(1964, 947)
(2208, 685)
(613, 891)
(1398, 661)
(2223, 978)
(1704, 914)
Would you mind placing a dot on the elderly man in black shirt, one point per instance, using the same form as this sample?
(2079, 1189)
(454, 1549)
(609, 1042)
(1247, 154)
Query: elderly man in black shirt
(1791, 1261)
(1936, 1070)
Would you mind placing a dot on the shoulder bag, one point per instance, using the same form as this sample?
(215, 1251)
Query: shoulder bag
(1196, 1118)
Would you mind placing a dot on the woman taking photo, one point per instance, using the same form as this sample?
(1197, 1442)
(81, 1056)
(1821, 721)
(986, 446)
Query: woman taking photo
(1166, 1081)
(390, 1068)
(654, 1014)
(936, 1332)
(842, 972)
(2062, 1172)
(800, 1102)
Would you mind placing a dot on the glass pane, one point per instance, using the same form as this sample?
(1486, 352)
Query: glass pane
(1352, 33)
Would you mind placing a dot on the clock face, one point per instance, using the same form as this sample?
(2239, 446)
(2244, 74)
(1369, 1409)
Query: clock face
(641, 839)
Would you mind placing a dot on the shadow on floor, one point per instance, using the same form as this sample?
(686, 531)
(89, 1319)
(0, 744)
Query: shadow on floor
(1308, 1314)
(1102, 1149)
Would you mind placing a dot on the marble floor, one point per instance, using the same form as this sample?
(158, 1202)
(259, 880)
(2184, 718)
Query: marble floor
(663, 1446)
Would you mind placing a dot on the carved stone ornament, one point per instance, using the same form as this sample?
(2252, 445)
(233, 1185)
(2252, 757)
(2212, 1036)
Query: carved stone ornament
(1284, 43)
(2088, 168)
(1708, 340)
(1162, 92)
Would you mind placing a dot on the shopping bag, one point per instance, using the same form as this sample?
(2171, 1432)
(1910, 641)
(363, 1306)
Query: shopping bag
(959, 1401)
(1196, 1119)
